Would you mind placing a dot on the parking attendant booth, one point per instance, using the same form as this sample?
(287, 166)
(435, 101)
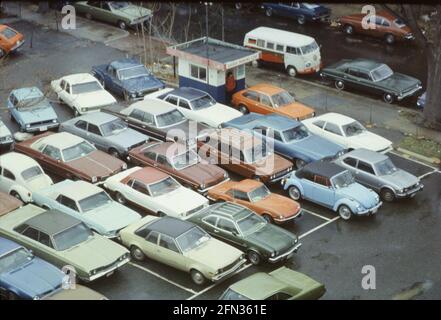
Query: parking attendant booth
(206, 63)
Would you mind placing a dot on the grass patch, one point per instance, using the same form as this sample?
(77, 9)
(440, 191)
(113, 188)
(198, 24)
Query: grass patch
(422, 146)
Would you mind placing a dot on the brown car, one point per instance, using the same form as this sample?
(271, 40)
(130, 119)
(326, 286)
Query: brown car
(10, 40)
(256, 196)
(70, 157)
(244, 154)
(181, 163)
(386, 26)
(8, 203)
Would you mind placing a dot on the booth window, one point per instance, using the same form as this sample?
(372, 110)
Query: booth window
(198, 72)
(240, 71)
(252, 41)
(261, 43)
(270, 45)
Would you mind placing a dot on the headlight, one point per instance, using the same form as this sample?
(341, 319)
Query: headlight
(273, 254)
(28, 125)
(54, 121)
(83, 109)
(94, 179)
(203, 186)
(284, 181)
(281, 217)
(36, 298)
(226, 175)
(124, 166)
(359, 207)
(133, 95)
(93, 272)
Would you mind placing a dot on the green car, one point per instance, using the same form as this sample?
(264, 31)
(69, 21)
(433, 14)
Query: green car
(245, 229)
(63, 241)
(281, 284)
(123, 14)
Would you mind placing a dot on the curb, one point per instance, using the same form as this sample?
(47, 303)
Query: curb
(420, 157)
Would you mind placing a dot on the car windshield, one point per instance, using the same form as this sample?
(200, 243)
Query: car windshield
(113, 127)
(251, 223)
(353, 129)
(95, 201)
(85, 87)
(164, 186)
(233, 295)
(192, 239)
(203, 102)
(399, 23)
(29, 102)
(256, 154)
(259, 193)
(8, 33)
(282, 99)
(185, 160)
(381, 73)
(385, 167)
(14, 259)
(31, 173)
(133, 72)
(118, 5)
(72, 236)
(79, 150)
(310, 5)
(170, 118)
(297, 133)
(343, 180)
(310, 48)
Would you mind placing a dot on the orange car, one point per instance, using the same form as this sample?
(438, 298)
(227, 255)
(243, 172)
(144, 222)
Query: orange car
(256, 196)
(10, 40)
(265, 98)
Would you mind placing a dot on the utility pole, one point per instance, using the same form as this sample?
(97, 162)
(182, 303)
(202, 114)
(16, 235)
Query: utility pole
(206, 44)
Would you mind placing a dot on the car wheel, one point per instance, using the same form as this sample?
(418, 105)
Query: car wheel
(301, 20)
(122, 25)
(300, 163)
(137, 253)
(387, 195)
(349, 29)
(120, 198)
(16, 195)
(388, 97)
(339, 84)
(114, 153)
(268, 218)
(294, 193)
(390, 38)
(269, 12)
(292, 72)
(88, 16)
(197, 277)
(254, 257)
(344, 212)
(243, 109)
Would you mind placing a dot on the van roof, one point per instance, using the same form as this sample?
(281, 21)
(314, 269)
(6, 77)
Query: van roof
(290, 38)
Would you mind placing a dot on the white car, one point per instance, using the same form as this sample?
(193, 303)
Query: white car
(88, 203)
(21, 175)
(155, 192)
(197, 105)
(82, 92)
(6, 138)
(347, 132)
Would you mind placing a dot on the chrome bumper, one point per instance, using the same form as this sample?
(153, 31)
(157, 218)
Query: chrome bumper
(45, 127)
(370, 211)
(290, 218)
(230, 271)
(107, 271)
(411, 192)
(209, 188)
(278, 258)
(407, 94)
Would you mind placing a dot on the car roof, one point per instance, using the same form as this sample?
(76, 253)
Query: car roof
(229, 210)
(365, 64)
(60, 140)
(322, 168)
(163, 148)
(76, 190)
(98, 118)
(188, 93)
(14, 159)
(290, 38)
(337, 118)
(247, 185)
(146, 175)
(153, 106)
(8, 203)
(235, 137)
(79, 78)
(26, 93)
(52, 222)
(272, 120)
(367, 155)
(258, 286)
(170, 226)
(125, 63)
(7, 245)
(266, 88)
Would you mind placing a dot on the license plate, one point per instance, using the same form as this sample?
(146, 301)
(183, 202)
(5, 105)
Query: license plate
(43, 128)
(110, 273)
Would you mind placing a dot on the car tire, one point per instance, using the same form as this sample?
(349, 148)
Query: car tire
(122, 25)
(243, 109)
(120, 198)
(294, 193)
(16, 195)
(345, 212)
(269, 12)
(292, 72)
(389, 38)
(339, 84)
(197, 277)
(137, 254)
(300, 163)
(254, 257)
(349, 30)
(387, 195)
(268, 218)
(114, 153)
(388, 97)
(301, 20)
(88, 16)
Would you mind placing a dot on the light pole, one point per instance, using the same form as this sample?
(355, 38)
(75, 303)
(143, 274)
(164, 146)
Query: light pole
(206, 44)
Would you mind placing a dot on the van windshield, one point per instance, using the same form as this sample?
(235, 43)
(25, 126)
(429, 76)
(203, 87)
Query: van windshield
(309, 48)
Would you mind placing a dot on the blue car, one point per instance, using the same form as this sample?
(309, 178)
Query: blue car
(127, 78)
(332, 186)
(24, 276)
(31, 110)
(291, 138)
(301, 11)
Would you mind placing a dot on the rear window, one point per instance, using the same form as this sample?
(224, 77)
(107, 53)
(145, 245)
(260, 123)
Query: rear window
(31, 173)
(8, 33)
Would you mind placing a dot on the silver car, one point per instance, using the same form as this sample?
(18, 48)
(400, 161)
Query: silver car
(107, 132)
(376, 171)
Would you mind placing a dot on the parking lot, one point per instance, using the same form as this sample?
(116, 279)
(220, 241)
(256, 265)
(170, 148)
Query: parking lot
(395, 241)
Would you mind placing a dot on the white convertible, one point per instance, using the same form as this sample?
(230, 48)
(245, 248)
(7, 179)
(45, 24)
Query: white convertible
(154, 191)
(347, 132)
(21, 175)
(197, 105)
(82, 92)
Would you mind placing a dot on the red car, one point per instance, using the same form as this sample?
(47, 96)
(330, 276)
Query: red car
(10, 40)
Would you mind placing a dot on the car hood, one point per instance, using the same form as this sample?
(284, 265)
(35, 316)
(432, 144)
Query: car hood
(271, 164)
(218, 114)
(321, 10)
(359, 193)
(272, 237)
(37, 113)
(97, 163)
(315, 147)
(35, 278)
(206, 174)
(98, 98)
(141, 84)
(402, 179)
(134, 12)
(4, 131)
(369, 140)
(40, 182)
(112, 217)
(128, 138)
(188, 129)
(295, 110)
(182, 200)
(279, 205)
(400, 82)
(215, 254)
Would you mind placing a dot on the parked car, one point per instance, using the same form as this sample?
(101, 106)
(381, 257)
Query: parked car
(24, 276)
(242, 227)
(300, 11)
(373, 77)
(184, 246)
(266, 98)
(334, 187)
(88, 203)
(64, 241)
(8, 203)
(70, 157)
(242, 153)
(31, 110)
(21, 175)
(155, 192)
(78, 293)
(257, 197)
(347, 132)
(197, 105)
(291, 139)
(127, 78)
(121, 13)
(377, 171)
(280, 284)
(6, 139)
(383, 25)
(161, 121)
(82, 93)
(10, 40)
(421, 101)
(106, 132)
(183, 164)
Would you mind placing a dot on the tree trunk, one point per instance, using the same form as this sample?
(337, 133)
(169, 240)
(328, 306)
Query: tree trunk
(432, 108)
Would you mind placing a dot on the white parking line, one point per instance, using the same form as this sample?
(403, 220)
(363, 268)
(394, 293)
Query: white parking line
(316, 214)
(319, 227)
(163, 278)
(428, 174)
(413, 160)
